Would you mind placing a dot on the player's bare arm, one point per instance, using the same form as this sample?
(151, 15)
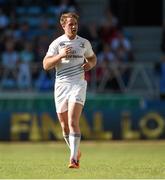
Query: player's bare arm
(50, 62)
(90, 63)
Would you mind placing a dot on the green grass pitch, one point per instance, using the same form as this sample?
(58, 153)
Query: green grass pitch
(100, 160)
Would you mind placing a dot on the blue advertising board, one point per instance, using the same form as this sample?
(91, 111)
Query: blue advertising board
(97, 122)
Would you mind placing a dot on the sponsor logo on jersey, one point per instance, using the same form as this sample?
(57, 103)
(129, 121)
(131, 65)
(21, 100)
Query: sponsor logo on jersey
(82, 45)
(62, 44)
(79, 100)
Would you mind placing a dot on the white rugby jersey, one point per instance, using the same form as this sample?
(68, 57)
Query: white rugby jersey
(69, 68)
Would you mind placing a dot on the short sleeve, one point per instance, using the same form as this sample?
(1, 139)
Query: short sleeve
(53, 49)
(89, 51)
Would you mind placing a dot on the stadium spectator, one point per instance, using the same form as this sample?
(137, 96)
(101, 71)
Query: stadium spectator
(160, 72)
(120, 41)
(108, 69)
(45, 28)
(41, 46)
(108, 27)
(35, 74)
(45, 81)
(107, 54)
(9, 62)
(163, 38)
(4, 20)
(91, 32)
(25, 34)
(162, 77)
(25, 63)
(64, 6)
(122, 48)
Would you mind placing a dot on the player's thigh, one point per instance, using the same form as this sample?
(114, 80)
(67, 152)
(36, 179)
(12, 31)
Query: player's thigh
(63, 117)
(74, 111)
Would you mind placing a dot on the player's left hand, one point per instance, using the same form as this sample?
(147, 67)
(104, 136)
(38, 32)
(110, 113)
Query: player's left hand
(86, 66)
(89, 63)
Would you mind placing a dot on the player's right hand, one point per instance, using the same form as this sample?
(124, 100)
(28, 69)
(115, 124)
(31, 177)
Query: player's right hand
(65, 51)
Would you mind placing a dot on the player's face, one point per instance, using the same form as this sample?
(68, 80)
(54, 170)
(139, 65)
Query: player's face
(71, 27)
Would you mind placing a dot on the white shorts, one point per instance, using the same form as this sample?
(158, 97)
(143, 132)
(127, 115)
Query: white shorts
(69, 92)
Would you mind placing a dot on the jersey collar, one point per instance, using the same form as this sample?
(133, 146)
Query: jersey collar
(70, 39)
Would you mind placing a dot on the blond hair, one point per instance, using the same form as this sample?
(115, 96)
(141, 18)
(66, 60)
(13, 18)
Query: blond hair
(68, 15)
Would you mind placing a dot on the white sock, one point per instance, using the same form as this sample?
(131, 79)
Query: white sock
(74, 141)
(66, 138)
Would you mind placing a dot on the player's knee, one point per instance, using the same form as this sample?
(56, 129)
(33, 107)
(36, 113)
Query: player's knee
(72, 125)
(65, 127)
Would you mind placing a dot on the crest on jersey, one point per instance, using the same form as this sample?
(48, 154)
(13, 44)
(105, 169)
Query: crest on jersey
(62, 44)
(82, 45)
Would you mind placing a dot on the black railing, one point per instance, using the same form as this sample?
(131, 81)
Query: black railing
(133, 78)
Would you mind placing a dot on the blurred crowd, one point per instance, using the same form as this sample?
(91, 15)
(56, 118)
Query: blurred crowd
(28, 27)
(160, 65)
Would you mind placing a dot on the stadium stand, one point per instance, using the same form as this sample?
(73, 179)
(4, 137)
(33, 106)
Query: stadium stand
(29, 27)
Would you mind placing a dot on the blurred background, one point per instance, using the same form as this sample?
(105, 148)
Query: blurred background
(126, 90)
